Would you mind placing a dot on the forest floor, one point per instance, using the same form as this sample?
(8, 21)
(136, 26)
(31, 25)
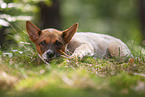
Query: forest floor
(22, 74)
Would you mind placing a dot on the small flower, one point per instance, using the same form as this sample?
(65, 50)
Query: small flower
(20, 52)
(9, 54)
(14, 50)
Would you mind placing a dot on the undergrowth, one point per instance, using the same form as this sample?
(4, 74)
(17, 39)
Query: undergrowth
(23, 74)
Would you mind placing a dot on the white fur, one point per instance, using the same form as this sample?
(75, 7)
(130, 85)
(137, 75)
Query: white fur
(44, 60)
(97, 45)
(51, 30)
(44, 55)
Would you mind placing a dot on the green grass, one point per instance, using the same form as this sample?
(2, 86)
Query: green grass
(24, 75)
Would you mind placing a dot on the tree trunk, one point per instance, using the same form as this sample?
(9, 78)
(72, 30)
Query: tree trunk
(2, 36)
(142, 16)
(50, 15)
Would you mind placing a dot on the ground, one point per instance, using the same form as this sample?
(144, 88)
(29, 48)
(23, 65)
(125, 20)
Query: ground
(22, 74)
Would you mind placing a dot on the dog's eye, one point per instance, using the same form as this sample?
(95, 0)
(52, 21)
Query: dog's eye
(58, 44)
(43, 43)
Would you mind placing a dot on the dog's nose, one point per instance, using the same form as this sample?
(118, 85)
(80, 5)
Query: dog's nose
(50, 54)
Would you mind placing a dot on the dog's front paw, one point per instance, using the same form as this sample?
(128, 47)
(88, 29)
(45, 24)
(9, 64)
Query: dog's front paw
(83, 50)
(81, 54)
(76, 55)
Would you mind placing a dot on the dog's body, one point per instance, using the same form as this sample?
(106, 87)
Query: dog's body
(97, 45)
(51, 43)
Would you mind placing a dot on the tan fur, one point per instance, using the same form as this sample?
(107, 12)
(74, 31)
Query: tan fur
(79, 44)
(97, 45)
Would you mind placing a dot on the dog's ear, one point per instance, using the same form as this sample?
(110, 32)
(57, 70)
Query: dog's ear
(68, 33)
(33, 31)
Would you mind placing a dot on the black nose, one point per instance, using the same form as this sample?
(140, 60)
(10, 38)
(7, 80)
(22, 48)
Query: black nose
(50, 54)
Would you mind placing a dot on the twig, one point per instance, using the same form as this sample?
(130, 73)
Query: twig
(44, 61)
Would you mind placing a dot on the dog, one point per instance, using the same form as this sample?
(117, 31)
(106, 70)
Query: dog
(51, 43)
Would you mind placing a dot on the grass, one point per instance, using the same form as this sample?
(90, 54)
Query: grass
(24, 75)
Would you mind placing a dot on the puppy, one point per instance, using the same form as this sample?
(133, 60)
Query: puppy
(51, 43)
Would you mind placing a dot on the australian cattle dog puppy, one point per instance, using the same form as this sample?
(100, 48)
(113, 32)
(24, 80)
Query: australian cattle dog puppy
(51, 43)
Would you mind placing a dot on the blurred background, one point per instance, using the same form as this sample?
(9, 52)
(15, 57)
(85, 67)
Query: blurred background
(124, 19)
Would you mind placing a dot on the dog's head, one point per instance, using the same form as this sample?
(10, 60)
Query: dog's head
(50, 43)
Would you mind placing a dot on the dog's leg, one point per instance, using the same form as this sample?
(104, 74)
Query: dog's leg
(85, 49)
(119, 50)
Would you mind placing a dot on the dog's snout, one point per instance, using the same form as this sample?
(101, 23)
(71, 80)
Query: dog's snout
(50, 54)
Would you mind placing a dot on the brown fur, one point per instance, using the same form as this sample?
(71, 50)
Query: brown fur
(50, 36)
(51, 43)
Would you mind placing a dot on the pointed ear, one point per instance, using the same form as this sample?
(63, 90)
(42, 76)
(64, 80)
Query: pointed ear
(68, 33)
(33, 31)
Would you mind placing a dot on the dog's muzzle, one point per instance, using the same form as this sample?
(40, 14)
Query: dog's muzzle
(49, 54)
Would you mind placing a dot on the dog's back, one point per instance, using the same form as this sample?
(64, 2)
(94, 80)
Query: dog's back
(97, 45)
(51, 43)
